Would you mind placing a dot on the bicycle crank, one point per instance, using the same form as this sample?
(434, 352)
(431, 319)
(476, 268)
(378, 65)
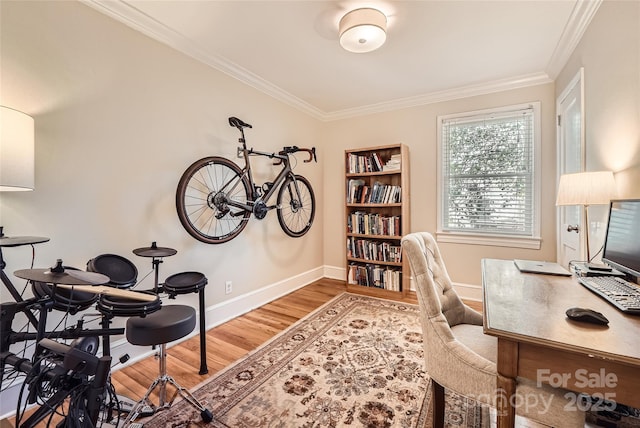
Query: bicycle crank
(260, 210)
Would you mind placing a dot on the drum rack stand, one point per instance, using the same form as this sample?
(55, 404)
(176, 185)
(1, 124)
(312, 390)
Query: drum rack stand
(186, 282)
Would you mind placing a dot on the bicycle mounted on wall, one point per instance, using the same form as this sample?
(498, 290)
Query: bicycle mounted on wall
(216, 197)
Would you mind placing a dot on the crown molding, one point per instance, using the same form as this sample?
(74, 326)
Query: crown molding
(143, 23)
(446, 95)
(134, 18)
(581, 16)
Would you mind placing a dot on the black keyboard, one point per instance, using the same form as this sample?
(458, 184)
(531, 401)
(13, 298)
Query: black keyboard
(620, 293)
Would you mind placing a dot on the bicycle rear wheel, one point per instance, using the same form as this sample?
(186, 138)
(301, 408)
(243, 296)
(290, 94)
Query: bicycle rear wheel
(296, 209)
(202, 200)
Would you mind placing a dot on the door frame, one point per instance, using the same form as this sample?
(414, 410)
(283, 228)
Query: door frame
(578, 79)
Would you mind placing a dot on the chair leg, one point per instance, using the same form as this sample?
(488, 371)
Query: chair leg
(438, 404)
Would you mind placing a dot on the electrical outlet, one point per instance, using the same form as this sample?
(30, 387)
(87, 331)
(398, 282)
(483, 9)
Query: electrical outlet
(228, 287)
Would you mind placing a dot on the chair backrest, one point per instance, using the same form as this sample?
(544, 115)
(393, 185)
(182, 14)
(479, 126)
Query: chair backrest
(464, 362)
(432, 279)
(449, 361)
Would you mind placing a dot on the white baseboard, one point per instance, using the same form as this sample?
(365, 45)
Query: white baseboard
(222, 312)
(468, 291)
(215, 315)
(465, 291)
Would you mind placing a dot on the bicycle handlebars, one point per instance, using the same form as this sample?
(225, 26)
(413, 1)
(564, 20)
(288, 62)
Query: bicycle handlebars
(238, 123)
(282, 154)
(294, 149)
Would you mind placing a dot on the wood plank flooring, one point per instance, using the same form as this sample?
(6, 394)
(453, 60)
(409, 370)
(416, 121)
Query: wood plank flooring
(232, 340)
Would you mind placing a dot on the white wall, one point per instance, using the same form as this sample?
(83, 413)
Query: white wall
(416, 127)
(118, 118)
(609, 52)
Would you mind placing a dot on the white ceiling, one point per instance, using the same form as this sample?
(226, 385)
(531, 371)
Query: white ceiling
(435, 50)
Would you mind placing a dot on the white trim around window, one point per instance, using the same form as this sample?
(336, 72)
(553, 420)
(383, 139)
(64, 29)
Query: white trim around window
(529, 237)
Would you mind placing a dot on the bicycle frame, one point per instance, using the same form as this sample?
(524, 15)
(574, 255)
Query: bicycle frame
(216, 196)
(256, 191)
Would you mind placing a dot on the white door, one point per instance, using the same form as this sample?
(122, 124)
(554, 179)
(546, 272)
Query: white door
(570, 135)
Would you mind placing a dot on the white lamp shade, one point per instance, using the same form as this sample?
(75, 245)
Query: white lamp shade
(16, 150)
(363, 30)
(586, 188)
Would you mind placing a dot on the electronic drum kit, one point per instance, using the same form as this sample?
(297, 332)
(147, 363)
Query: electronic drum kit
(106, 281)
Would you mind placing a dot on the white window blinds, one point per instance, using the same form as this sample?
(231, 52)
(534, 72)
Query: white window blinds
(488, 173)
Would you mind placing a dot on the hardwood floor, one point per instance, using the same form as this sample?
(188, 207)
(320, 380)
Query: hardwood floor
(232, 340)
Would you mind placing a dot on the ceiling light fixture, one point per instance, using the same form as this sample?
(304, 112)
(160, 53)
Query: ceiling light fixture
(363, 30)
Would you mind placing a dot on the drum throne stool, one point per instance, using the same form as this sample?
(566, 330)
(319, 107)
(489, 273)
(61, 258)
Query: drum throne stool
(171, 322)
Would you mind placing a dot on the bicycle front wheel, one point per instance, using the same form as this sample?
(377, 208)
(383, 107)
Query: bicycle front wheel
(204, 200)
(296, 206)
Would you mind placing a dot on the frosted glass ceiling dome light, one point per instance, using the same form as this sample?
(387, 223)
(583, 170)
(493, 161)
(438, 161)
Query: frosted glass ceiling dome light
(363, 30)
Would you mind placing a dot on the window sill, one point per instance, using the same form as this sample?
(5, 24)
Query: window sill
(489, 240)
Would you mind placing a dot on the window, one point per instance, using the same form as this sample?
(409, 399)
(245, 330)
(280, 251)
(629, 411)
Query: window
(488, 190)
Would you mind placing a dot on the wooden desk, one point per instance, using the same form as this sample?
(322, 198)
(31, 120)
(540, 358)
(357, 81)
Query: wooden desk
(526, 312)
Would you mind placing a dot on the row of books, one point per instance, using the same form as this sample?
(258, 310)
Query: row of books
(372, 162)
(371, 275)
(373, 250)
(373, 224)
(358, 192)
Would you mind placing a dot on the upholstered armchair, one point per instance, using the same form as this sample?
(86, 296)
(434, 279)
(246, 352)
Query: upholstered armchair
(458, 355)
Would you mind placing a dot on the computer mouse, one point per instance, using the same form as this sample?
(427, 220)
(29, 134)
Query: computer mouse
(587, 315)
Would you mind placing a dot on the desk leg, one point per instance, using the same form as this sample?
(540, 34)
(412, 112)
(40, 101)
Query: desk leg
(506, 383)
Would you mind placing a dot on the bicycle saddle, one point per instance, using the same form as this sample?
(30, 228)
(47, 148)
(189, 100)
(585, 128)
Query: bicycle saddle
(235, 122)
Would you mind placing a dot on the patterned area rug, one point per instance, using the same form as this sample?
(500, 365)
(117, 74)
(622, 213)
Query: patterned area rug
(357, 361)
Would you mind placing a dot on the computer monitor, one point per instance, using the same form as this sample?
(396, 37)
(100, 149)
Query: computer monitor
(622, 242)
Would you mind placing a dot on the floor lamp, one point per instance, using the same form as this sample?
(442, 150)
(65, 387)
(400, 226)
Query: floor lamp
(16, 151)
(586, 188)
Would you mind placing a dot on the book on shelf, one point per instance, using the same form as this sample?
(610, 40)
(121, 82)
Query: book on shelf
(364, 223)
(372, 275)
(358, 192)
(354, 190)
(393, 164)
(378, 251)
(371, 162)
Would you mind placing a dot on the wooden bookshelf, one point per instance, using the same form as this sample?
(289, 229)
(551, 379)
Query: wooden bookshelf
(377, 215)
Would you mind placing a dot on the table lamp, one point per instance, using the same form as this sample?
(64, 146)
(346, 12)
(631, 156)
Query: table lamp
(586, 188)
